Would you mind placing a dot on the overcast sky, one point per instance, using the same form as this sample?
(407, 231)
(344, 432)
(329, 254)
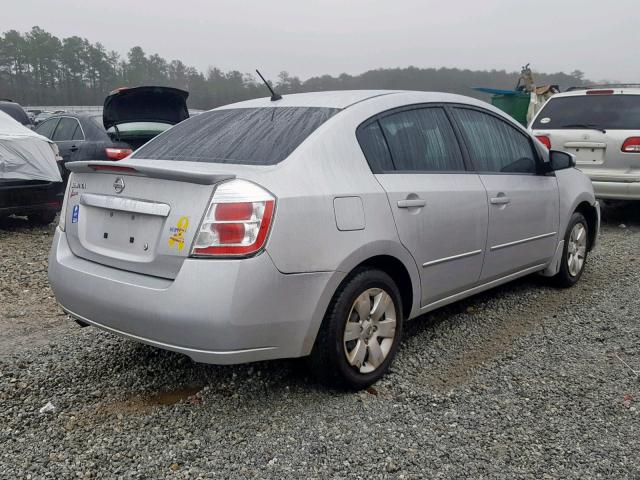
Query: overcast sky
(308, 37)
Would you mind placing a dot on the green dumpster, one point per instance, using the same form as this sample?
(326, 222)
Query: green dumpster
(515, 105)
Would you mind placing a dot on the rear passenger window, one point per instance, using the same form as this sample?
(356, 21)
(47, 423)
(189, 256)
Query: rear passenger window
(422, 140)
(78, 135)
(494, 145)
(375, 148)
(65, 129)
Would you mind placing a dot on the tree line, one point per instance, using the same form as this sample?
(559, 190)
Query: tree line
(38, 68)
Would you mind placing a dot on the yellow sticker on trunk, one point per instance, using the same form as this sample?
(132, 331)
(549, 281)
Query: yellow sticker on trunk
(177, 233)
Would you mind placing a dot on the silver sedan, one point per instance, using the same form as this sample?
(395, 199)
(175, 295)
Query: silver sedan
(314, 226)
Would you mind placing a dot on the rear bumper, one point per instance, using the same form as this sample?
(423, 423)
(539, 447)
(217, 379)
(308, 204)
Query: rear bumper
(23, 198)
(616, 190)
(53, 206)
(215, 311)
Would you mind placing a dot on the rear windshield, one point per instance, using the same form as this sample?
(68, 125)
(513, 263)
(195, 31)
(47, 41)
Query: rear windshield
(614, 112)
(250, 136)
(97, 119)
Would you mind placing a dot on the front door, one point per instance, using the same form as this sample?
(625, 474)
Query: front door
(440, 208)
(523, 204)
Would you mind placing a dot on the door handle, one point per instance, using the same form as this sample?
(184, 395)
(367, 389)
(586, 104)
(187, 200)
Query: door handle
(411, 203)
(500, 200)
(73, 148)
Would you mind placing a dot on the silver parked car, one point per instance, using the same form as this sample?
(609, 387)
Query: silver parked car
(601, 127)
(315, 225)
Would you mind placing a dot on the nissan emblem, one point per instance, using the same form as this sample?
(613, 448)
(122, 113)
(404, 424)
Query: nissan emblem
(118, 185)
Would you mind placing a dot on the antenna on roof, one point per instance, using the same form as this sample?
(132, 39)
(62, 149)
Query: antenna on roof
(274, 95)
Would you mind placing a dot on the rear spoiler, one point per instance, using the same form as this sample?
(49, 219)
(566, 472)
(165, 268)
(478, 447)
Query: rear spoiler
(152, 171)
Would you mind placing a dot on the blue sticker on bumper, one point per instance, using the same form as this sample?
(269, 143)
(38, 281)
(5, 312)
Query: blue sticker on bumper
(74, 215)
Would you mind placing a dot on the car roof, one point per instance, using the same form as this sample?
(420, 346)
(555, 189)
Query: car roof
(328, 99)
(83, 117)
(370, 102)
(71, 114)
(342, 99)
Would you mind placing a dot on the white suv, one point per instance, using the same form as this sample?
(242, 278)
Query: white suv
(601, 127)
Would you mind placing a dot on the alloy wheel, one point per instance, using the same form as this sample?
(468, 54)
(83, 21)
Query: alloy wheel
(577, 249)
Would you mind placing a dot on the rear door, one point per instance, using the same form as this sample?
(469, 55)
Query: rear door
(440, 208)
(68, 135)
(523, 204)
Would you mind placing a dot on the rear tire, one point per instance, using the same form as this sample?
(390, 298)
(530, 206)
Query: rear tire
(42, 218)
(574, 253)
(360, 333)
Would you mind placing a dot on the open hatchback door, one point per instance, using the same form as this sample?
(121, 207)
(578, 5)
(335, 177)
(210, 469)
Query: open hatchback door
(136, 115)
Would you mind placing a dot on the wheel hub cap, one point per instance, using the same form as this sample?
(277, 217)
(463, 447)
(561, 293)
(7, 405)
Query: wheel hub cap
(370, 330)
(576, 249)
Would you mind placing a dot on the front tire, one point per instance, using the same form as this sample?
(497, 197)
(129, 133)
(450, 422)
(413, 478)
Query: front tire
(361, 331)
(574, 254)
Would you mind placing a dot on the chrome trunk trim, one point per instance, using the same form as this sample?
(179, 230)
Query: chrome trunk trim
(124, 204)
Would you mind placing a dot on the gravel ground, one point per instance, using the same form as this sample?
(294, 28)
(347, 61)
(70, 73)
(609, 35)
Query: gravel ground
(524, 381)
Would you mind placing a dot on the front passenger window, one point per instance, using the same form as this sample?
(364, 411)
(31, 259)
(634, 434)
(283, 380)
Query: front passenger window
(47, 127)
(494, 145)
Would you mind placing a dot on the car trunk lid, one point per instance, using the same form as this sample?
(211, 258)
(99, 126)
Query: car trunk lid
(140, 218)
(145, 104)
(136, 115)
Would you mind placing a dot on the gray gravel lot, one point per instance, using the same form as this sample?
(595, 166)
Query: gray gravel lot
(524, 381)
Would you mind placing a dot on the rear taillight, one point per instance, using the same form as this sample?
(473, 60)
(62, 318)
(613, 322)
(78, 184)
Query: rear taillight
(117, 153)
(237, 220)
(631, 145)
(546, 141)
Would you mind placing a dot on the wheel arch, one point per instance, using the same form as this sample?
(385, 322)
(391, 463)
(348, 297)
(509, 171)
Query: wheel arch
(390, 257)
(394, 259)
(590, 214)
(398, 273)
(576, 195)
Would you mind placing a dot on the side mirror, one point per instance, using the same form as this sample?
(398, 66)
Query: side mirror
(560, 160)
